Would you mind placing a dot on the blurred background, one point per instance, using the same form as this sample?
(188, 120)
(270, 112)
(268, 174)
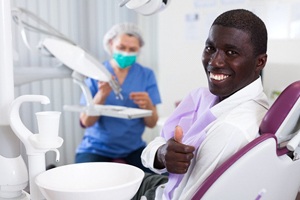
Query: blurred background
(174, 41)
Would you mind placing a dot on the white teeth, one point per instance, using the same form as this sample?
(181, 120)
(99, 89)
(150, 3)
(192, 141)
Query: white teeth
(218, 77)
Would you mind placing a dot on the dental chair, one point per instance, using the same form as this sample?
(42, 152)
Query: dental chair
(268, 168)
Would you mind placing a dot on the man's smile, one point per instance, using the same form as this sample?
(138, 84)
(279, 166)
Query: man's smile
(218, 77)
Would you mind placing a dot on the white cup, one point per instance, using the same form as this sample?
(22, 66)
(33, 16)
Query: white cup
(48, 125)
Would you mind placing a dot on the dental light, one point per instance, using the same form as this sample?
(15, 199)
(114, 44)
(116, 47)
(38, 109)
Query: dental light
(61, 47)
(145, 7)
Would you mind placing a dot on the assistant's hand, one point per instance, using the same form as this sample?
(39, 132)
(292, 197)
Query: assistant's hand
(103, 91)
(142, 99)
(174, 156)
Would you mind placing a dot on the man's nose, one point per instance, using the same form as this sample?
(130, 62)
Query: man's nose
(217, 59)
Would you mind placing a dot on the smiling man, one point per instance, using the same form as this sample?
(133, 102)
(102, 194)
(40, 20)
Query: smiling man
(213, 123)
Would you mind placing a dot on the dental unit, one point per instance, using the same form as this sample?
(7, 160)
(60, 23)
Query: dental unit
(35, 148)
(14, 176)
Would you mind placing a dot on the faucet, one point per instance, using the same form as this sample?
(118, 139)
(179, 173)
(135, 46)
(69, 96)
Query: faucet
(35, 151)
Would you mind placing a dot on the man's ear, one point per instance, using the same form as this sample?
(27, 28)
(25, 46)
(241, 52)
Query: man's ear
(261, 62)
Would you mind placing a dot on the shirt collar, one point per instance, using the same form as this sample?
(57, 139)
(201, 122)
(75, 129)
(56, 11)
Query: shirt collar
(252, 91)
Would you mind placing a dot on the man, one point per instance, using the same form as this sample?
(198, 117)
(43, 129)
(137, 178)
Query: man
(211, 125)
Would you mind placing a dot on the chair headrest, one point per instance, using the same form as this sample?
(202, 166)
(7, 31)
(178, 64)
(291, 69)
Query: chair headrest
(280, 109)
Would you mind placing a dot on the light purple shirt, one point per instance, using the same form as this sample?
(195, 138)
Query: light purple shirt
(192, 115)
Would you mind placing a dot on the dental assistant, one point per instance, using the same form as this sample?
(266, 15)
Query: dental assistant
(107, 138)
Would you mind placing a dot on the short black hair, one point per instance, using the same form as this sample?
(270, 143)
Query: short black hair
(248, 22)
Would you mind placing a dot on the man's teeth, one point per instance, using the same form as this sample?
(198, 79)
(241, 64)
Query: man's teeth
(218, 77)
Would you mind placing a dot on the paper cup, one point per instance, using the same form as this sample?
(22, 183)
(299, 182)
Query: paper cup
(48, 125)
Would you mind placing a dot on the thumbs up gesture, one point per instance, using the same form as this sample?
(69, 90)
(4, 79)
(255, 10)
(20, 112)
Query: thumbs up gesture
(178, 134)
(174, 156)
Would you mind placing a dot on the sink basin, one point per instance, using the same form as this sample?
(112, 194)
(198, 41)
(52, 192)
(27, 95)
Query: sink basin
(92, 181)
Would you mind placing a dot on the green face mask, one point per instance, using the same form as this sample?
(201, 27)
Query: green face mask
(124, 60)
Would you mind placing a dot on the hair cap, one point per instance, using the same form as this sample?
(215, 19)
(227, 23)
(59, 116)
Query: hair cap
(123, 28)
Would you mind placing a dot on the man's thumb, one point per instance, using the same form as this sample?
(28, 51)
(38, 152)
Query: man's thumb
(178, 135)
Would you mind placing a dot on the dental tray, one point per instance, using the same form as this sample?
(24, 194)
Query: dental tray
(110, 111)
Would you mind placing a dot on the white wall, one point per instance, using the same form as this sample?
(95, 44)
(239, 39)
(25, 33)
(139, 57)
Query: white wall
(283, 67)
(179, 60)
(181, 43)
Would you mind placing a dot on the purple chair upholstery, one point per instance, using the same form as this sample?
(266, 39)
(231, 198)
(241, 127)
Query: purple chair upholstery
(280, 109)
(270, 124)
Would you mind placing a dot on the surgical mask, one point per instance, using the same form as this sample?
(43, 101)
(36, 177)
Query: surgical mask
(124, 59)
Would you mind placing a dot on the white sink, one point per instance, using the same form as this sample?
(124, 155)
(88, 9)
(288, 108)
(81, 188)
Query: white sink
(90, 181)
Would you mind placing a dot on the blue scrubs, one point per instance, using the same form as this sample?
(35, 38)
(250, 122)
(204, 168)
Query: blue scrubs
(116, 137)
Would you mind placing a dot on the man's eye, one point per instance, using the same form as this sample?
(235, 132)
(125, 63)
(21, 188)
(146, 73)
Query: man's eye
(230, 52)
(209, 49)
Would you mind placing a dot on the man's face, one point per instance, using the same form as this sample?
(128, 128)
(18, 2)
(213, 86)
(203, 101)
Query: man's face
(229, 61)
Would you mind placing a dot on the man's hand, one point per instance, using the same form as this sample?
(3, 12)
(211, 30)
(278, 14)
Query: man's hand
(174, 156)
